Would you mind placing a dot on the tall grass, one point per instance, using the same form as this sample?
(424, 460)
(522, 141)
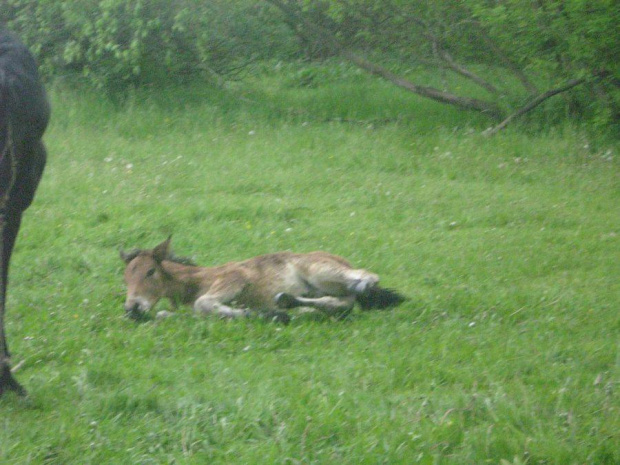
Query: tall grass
(506, 352)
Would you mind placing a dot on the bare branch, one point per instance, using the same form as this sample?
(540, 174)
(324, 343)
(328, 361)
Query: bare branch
(432, 93)
(442, 54)
(488, 108)
(533, 104)
(509, 64)
(457, 68)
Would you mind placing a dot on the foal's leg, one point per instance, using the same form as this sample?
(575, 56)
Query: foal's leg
(337, 282)
(222, 291)
(226, 290)
(208, 304)
(332, 306)
(336, 279)
(359, 281)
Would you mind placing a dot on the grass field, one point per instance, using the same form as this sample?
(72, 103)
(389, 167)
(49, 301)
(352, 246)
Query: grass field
(507, 351)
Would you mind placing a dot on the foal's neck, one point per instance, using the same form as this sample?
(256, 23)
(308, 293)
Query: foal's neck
(183, 282)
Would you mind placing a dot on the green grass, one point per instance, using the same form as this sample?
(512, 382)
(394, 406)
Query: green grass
(507, 351)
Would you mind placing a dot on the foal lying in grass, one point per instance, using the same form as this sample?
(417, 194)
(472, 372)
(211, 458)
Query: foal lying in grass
(273, 282)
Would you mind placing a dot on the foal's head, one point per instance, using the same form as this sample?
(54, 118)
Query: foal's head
(145, 278)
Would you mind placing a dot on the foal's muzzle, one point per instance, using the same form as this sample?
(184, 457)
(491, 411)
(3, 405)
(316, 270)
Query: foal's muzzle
(131, 309)
(136, 308)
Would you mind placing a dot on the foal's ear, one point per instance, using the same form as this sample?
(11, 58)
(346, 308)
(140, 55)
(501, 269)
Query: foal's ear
(162, 251)
(128, 256)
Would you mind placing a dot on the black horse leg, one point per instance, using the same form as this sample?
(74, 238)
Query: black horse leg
(9, 234)
(9, 226)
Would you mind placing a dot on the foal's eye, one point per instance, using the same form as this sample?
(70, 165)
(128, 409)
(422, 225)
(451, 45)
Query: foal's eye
(150, 273)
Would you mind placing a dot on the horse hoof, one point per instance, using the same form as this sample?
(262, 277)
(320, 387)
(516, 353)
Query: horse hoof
(284, 300)
(8, 383)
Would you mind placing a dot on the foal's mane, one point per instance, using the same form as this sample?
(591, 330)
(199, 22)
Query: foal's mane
(181, 260)
(171, 257)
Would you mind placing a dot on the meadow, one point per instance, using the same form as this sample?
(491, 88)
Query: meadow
(507, 351)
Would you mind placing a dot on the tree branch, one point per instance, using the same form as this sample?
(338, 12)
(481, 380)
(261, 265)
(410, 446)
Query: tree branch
(457, 68)
(487, 108)
(450, 63)
(508, 63)
(533, 104)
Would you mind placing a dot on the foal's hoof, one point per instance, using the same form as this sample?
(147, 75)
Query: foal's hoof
(284, 300)
(277, 317)
(343, 315)
(163, 314)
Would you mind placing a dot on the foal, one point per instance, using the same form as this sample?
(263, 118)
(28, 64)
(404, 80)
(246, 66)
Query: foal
(282, 280)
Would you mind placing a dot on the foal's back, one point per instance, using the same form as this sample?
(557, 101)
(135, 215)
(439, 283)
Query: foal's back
(311, 274)
(283, 265)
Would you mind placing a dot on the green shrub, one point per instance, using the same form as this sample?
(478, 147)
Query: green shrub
(116, 43)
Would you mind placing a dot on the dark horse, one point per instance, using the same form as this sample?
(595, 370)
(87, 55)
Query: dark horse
(24, 114)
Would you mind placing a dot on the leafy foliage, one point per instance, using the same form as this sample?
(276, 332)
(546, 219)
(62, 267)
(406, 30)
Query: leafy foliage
(563, 40)
(115, 43)
(543, 44)
(512, 49)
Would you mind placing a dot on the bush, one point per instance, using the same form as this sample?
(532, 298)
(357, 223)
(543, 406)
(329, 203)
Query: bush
(118, 43)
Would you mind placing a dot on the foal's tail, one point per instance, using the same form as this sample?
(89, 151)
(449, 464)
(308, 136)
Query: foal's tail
(379, 298)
